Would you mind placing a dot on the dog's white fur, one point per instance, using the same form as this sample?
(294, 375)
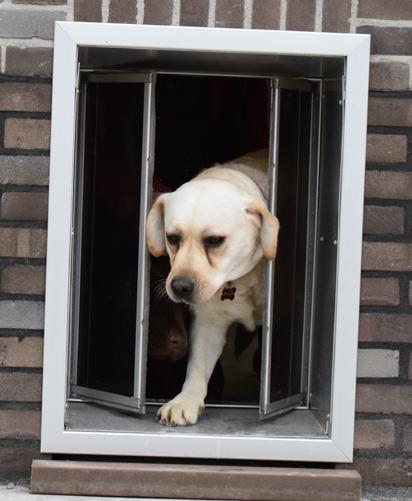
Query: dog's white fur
(228, 200)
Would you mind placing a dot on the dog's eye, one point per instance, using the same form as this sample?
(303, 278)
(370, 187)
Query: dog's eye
(173, 239)
(213, 241)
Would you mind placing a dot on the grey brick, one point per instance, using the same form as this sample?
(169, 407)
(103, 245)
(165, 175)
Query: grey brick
(18, 96)
(374, 434)
(17, 459)
(41, 2)
(194, 12)
(29, 23)
(21, 315)
(23, 279)
(24, 170)
(382, 327)
(390, 112)
(20, 387)
(384, 471)
(387, 148)
(387, 256)
(122, 11)
(380, 291)
(19, 424)
(393, 9)
(300, 15)
(407, 438)
(229, 14)
(29, 61)
(336, 15)
(157, 12)
(385, 398)
(266, 14)
(388, 184)
(24, 206)
(389, 76)
(27, 133)
(383, 220)
(378, 363)
(25, 353)
(88, 10)
(388, 40)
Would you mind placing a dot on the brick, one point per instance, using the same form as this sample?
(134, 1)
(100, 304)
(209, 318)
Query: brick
(300, 15)
(23, 242)
(42, 2)
(156, 12)
(266, 14)
(387, 256)
(25, 353)
(19, 424)
(384, 471)
(29, 61)
(122, 11)
(229, 14)
(381, 327)
(389, 76)
(87, 10)
(378, 363)
(194, 12)
(27, 133)
(17, 459)
(395, 9)
(387, 148)
(383, 220)
(410, 366)
(19, 206)
(24, 170)
(374, 434)
(25, 97)
(29, 23)
(390, 112)
(336, 14)
(21, 315)
(20, 387)
(385, 40)
(22, 279)
(380, 291)
(407, 438)
(387, 184)
(384, 398)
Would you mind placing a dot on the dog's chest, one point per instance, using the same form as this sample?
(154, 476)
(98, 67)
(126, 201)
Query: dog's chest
(245, 308)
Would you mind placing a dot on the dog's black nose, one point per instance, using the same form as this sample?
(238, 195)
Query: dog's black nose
(183, 287)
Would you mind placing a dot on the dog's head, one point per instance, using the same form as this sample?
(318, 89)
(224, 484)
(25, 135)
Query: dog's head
(213, 233)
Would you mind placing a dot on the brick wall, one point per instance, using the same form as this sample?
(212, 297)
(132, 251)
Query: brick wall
(384, 398)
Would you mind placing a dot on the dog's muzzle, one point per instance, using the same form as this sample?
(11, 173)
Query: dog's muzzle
(183, 288)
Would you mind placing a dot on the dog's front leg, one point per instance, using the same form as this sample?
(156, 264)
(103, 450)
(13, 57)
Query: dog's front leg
(207, 342)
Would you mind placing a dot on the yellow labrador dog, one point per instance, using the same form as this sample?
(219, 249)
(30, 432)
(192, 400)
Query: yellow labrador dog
(216, 229)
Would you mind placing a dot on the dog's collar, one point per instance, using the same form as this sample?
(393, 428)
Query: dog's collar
(228, 292)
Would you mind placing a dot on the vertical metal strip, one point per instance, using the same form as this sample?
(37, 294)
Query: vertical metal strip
(315, 237)
(270, 270)
(77, 229)
(142, 307)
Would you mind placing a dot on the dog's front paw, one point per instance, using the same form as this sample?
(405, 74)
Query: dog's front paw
(181, 411)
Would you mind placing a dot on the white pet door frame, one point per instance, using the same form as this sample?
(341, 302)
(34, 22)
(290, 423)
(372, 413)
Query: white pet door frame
(232, 45)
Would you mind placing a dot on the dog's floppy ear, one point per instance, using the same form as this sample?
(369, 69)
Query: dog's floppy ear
(269, 226)
(155, 229)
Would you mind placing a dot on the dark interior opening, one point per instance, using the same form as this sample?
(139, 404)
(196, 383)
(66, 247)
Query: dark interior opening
(110, 236)
(202, 121)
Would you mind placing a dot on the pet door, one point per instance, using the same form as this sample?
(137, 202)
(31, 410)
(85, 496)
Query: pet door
(114, 175)
(286, 328)
(109, 324)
